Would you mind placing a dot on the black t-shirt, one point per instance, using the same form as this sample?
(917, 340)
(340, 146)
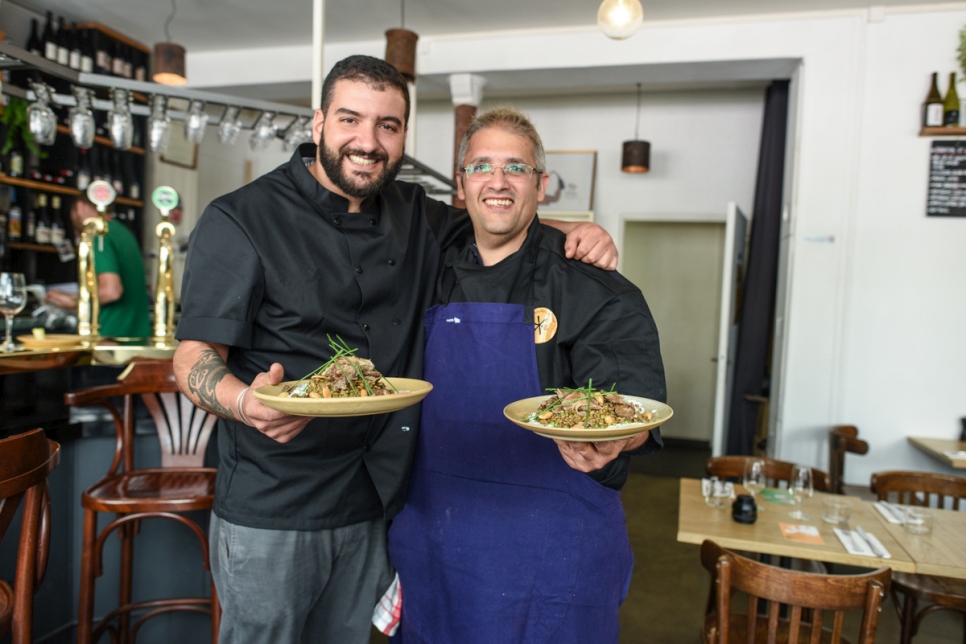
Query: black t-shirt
(271, 269)
(604, 330)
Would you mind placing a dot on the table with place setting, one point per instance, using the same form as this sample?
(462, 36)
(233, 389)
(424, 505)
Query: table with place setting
(949, 451)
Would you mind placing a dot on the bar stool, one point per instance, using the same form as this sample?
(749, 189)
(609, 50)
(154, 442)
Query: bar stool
(180, 485)
(25, 462)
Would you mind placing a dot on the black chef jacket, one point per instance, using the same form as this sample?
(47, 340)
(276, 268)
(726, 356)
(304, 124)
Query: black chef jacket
(271, 269)
(605, 331)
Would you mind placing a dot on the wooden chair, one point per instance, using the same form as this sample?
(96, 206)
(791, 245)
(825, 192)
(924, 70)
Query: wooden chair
(941, 593)
(807, 596)
(25, 462)
(733, 467)
(180, 485)
(842, 439)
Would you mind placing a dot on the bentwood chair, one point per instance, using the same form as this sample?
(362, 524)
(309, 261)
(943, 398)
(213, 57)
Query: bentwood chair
(180, 485)
(733, 467)
(939, 593)
(816, 604)
(842, 440)
(25, 462)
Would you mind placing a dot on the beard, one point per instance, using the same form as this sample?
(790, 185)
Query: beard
(331, 161)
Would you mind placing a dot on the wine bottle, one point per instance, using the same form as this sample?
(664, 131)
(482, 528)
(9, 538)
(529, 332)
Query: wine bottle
(932, 108)
(117, 177)
(50, 38)
(14, 219)
(42, 231)
(951, 104)
(128, 62)
(76, 50)
(87, 51)
(34, 44)
(140, 68)
(56, 219)
(131, 178)
(118, 60)
(102, 60)
(16, 162)
(83, 171)
(63, 48)
(33, 170)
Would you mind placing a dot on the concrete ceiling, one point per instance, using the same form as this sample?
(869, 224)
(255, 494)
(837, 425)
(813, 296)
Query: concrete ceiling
(202, 25)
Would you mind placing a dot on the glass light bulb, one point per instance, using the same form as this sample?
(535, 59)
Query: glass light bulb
(620, 19)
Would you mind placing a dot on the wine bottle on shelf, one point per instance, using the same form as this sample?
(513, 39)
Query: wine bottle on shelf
(932, 108)
(63, 47)
(56, 221)
(131, 178)
(83, 170)
(67, 161)
(102, 60)
(15, 165)
(118, 60)
(14, 218)
(100, 165)
(76, 48)
(87, 50)
(117, 176)
(49, 38)
(951, 104)
(128, 62)
(140, 66)
(42, 232)
(33, 170)
(4, 209)
(34, 44)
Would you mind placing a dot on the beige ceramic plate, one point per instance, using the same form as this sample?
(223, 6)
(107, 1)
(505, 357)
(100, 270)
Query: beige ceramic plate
(51, 341)
(516, 412)
(411, 391)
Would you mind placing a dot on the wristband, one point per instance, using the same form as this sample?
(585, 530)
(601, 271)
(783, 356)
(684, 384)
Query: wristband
(239, 406)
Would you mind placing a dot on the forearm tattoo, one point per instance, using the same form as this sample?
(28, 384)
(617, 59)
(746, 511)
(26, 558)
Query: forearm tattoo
(205, 375)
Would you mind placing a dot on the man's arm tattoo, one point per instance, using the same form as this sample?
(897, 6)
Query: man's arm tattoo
(205, 375)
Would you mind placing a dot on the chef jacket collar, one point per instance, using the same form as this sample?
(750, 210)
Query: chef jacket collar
(326, 202)
(470, 258)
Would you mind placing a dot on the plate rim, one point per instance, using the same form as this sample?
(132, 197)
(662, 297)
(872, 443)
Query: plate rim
(335, 403)
(588, 435)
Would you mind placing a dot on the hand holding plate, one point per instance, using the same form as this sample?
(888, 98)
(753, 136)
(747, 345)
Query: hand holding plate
(277, 425)
(586, 456)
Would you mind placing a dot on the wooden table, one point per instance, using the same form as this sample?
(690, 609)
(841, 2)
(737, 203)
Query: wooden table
(697, 522)
(939, 553)
(936, 447)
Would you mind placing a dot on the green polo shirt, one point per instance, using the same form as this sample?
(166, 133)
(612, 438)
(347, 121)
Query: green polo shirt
(118, 252)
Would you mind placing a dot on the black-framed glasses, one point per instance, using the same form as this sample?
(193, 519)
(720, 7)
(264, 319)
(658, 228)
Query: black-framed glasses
(483, 171)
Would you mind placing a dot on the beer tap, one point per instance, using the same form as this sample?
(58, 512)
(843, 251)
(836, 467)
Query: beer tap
(101, 194)
(165, 199)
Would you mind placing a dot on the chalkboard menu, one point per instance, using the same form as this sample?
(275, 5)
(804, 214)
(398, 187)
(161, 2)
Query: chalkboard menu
(947, 179)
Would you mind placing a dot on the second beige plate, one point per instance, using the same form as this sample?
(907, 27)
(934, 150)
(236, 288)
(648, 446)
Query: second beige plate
(411, 391)
(52, 341)
(520, 410)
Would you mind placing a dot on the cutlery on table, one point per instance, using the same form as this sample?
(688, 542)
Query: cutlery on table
(873, 544)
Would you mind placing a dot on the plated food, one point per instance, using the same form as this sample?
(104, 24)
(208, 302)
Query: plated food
(588, 414)
(346, 385)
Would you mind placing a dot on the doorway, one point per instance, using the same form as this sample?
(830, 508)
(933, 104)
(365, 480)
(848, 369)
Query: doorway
(678, 267)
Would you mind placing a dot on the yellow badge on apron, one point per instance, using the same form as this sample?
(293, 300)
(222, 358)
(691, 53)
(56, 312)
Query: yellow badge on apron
(545, 325)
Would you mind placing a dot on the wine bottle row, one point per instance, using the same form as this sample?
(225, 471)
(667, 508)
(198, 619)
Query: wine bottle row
(33, 217)
(86, 50)
(938, 111)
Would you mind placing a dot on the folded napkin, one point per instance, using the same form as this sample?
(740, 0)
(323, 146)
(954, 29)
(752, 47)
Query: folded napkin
(855, 544)
(951, 454)
(385, 617)
(889, 512)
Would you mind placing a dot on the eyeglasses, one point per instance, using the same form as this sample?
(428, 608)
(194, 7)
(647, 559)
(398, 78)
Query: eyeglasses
(512, 171)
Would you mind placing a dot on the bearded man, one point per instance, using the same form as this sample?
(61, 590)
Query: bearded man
(328, 243)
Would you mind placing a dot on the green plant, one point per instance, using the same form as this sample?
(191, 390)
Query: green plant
(15, 118)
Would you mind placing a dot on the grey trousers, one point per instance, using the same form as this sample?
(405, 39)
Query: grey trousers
(309, 586)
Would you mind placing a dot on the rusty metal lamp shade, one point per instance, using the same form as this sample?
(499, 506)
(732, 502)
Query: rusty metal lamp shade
(401, 52)
(636, 157)
(169, 64)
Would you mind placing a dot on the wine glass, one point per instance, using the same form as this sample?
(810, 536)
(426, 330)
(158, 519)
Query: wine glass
(754, 479)
(82, 118)
(800, 487)
(230, 125)
(41, 120)
(159, 125)
(119, 119)
(13, 298)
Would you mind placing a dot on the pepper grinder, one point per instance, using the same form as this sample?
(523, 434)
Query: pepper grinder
(101, 194)
(165, 199)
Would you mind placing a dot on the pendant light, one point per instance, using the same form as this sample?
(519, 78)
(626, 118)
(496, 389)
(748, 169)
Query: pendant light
(401, 47)
(637, 154)
(169, 68)
(620, 19)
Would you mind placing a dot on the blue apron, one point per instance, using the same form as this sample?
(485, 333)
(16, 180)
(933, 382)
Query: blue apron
(500, 540)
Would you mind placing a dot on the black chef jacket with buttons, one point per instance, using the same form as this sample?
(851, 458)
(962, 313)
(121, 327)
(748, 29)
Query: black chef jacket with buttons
(605, 331)
(271, 269)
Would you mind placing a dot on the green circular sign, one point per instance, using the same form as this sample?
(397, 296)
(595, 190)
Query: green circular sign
(165, 198)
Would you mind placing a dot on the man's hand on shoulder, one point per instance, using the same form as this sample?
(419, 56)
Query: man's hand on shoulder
(587, 242)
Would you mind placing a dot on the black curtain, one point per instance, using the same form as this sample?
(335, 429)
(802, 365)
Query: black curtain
(753, 354)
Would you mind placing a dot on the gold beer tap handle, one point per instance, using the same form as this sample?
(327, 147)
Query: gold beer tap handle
(88, 298)
(164, 289)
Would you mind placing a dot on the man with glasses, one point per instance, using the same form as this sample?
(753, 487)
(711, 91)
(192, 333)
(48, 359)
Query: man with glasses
(328, 243)
(508, 536)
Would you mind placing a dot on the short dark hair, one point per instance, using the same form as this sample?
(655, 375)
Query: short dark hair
(510, 120)
(374, 72)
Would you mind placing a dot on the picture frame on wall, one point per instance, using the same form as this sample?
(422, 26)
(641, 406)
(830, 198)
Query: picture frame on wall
(180, 152)
(570, 190)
